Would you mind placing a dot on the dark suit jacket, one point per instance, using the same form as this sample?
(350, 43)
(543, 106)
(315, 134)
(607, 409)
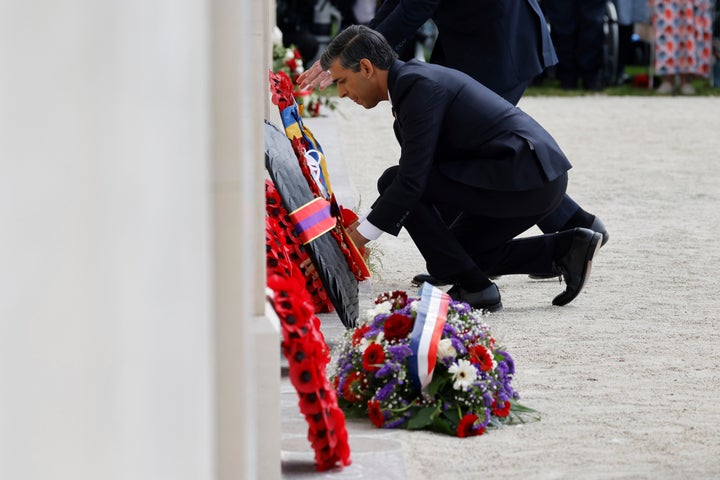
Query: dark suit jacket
(447, 122)
(500, 43)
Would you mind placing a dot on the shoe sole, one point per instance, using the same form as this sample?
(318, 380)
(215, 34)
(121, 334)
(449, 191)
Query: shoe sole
(494, 308)
(595, 245)
(435, 284)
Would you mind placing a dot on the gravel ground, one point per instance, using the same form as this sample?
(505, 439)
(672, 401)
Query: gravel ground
(627, 376)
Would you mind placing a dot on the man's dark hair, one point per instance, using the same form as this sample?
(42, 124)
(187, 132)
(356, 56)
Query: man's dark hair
(355, 43)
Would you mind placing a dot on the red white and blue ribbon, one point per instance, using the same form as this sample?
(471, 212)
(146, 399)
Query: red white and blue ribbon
(426, 334)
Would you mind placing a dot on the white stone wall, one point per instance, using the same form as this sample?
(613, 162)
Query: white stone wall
(109, 244)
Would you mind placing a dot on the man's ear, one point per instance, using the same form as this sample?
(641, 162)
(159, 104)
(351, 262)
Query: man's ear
(367, 68)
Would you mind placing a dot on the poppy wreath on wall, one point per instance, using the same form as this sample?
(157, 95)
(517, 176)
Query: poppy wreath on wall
(311, 160)
(296, 165)
(323, 250)
(282, 246)
(308, 355)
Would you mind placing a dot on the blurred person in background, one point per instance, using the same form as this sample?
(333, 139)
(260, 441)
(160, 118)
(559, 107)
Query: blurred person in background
(294, 18)
(629, 13)
(683, 43)
(356, 12)
(577, 33)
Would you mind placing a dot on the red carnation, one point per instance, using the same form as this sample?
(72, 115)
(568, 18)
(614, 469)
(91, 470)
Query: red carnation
(503, 411)
(466, 427)
(481, 357)
(353, 387)
(397, 326)
(398, 298)
(373, 357)
(375, 413)
(359, 334)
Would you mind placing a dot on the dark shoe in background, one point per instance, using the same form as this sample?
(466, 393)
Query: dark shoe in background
(421, 278)
(485, 299)
(576, 264)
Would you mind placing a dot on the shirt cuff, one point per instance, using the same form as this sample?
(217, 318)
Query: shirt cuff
(368, 230)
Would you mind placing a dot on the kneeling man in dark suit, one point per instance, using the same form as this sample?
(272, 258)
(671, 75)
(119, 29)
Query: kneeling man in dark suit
(464, 150)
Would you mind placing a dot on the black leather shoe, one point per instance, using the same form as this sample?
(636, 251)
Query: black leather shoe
(421, 278)
(597, 226)
(575, 265)
(556, 273)
(486, 299)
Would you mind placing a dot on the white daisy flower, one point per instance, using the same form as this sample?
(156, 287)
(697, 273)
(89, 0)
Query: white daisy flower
(463, 373)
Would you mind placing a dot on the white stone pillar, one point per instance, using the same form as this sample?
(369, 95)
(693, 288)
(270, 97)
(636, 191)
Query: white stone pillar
(248, 428)
(130, 225)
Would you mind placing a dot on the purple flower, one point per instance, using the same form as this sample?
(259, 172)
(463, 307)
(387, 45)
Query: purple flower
(387, 369)
(507, 361)
(385, 391)
(399, 353)
(395, 423)
(458, 345)
(449, 331)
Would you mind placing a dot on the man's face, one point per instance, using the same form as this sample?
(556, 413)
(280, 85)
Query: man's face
(360, 87)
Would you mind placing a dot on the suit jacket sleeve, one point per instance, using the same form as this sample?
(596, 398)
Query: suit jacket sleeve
(398, 20)
(420, 109)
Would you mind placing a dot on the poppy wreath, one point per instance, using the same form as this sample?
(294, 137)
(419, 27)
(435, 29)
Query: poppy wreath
(304, 142)
(304, 347)
(282, 247)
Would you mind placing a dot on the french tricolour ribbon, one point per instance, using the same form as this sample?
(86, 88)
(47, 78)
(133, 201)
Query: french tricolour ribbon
(313, 219)
(426, 334)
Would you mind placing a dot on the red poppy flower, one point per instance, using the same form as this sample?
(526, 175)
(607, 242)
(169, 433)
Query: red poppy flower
(281, 89)
(481, 357)
(397, 326)
(466, 427)
(310, 403)
(342, 449)
(304, 376)
(333, 448)
(375, 413)
(373, 357)
(503, 411)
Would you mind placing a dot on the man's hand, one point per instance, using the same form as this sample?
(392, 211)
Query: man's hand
(308, 269)
(314, 76)
(357, 239)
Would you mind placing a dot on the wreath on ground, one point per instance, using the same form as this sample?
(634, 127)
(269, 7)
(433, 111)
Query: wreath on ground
(427, 363)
